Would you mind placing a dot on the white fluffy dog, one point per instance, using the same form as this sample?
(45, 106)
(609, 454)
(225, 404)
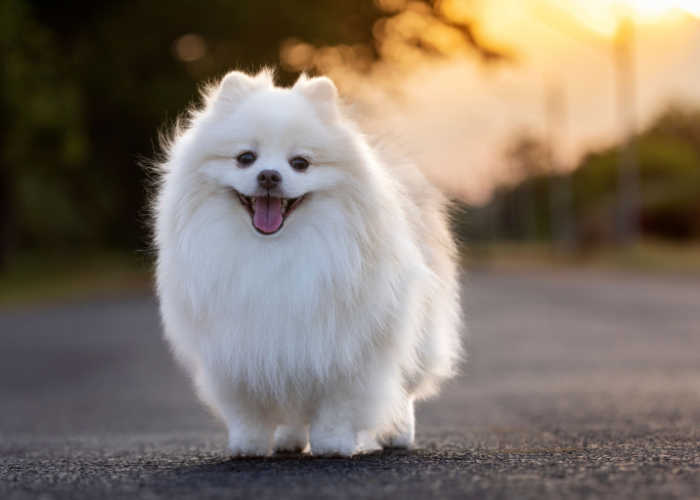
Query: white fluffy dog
(308, 287)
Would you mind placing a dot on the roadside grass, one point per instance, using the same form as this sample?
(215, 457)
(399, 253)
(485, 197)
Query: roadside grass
(646, 257)
(38, 278)
(32, 278)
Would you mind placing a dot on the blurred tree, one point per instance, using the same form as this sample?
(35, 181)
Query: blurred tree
(42, 136)
(669, 167)
(85, 86)
(407, 33)
(526, 158)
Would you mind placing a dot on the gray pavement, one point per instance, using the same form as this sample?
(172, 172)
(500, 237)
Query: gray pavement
(579, 385)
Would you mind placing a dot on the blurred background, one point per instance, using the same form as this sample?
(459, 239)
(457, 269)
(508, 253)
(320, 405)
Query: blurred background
(568, 131)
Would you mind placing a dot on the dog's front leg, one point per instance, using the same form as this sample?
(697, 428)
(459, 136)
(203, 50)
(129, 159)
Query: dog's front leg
(333, 431)
(249, 436)
(347, 417)
(403, 432)
(250, 427)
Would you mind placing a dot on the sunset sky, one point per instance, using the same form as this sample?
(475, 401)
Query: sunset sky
(456, 115)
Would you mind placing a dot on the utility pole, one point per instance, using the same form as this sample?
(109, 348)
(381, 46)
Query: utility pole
(628, 191)
(563, 230)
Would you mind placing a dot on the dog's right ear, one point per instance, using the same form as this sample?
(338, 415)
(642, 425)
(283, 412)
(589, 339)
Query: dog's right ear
(322, 93)
(236, 85)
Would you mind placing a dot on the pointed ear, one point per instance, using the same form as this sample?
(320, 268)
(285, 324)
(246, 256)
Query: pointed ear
(236, 85)
(322, 93)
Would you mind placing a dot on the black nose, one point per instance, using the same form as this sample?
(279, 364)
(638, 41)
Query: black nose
(269, 179)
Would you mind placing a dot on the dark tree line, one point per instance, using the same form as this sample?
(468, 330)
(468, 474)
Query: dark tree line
(85, 87)
(668, 153)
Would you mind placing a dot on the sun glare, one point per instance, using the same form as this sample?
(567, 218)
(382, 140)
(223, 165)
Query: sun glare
(602, 16)
(653, 9)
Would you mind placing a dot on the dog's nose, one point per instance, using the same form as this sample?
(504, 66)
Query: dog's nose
(269, 179)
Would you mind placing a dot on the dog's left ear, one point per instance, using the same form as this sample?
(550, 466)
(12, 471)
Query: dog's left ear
(236, 85)
(322, 93)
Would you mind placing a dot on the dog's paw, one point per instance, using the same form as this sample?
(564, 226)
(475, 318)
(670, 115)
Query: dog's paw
(400, 440)
(334, 445)
(291, 439)
(249, 446)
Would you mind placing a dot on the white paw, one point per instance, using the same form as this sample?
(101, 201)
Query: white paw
(340, 444)
(241, 445)
(367, 442)
(404, 440)
(403, 435)
(291, 439)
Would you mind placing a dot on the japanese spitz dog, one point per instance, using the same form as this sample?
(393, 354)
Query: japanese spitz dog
(308, 286)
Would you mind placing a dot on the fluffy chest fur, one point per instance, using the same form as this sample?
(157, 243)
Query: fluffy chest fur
(290, 312)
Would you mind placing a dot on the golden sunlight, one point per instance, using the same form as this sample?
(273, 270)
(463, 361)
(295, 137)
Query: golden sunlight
(454, 115)
(654, 8)
(603, 16)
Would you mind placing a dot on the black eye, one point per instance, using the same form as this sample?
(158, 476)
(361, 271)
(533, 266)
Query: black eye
(246, 158)
(299, 163)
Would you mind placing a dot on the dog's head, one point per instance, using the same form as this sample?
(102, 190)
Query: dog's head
(274, 149)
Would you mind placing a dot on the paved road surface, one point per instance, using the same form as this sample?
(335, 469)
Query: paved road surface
(578, 386)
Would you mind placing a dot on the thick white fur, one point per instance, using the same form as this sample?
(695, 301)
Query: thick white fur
(327, 331)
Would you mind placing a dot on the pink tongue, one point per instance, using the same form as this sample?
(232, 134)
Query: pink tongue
(267, 215)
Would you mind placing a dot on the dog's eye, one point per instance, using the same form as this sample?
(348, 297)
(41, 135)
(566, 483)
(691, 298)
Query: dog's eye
(246, 158)
(299, 163)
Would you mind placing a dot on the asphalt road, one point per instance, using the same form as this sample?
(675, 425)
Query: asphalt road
(578, 386)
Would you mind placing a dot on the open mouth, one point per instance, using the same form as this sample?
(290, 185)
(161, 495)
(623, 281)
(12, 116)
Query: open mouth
(267, 212)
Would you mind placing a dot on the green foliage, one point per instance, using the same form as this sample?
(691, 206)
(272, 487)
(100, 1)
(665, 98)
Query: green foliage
(45, 135)
(668, 159)
(85, 87)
